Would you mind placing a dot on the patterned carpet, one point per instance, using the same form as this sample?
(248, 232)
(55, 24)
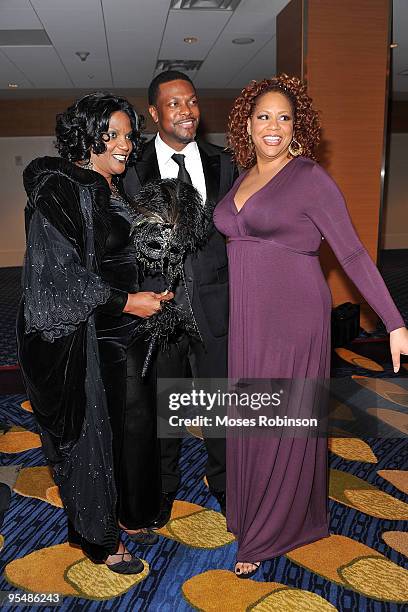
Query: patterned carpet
(361, 566)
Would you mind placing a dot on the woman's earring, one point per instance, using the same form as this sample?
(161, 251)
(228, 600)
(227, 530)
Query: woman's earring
(88, 165)
(295, 148)
(250, 142)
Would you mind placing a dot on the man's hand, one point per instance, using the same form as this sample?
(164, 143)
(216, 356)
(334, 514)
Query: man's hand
(144, 304)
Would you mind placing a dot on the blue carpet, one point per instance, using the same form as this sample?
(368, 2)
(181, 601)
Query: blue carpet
(31, 524)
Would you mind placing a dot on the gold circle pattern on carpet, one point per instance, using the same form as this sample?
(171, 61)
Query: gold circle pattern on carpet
(18, 440)
(383, 579)
(216, 590)
(289, 600)
(352, 449)
(98, 582)
(27, 406)
(358, 360)
(398, 478)
(193, 525)
(38, 482)
(365, 497)
(398, 540)
(65, 570)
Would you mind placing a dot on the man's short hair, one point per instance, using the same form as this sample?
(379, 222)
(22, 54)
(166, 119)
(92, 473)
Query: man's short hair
(165, 77)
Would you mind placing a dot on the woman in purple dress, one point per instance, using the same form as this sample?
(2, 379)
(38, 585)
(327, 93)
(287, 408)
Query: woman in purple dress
(274, 218)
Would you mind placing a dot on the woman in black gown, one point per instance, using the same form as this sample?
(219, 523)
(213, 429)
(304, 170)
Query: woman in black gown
(77, 320)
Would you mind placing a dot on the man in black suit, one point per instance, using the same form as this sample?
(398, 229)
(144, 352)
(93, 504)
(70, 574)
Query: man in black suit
(174, 153)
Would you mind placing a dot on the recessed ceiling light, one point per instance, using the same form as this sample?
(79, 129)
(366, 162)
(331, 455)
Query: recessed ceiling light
(393, 45)
(245, 40)
(203, 5)
(13, 85)
(190, 40)
(183, 65)
(82, 55)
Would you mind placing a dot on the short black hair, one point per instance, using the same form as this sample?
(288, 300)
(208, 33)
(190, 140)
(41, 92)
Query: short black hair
(80, 129)
(165, 77)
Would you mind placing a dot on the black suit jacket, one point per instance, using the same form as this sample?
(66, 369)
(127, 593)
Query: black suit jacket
(206, 271)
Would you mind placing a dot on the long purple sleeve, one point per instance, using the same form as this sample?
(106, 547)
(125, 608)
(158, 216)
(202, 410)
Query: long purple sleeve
(330, 215)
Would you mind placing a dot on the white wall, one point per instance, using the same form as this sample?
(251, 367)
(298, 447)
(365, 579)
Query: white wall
(395, 215)
(12, 194)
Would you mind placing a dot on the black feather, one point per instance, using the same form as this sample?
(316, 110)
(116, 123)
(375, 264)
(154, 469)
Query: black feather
(170, 222)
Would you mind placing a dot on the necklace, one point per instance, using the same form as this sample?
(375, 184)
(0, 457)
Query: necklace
(116, 195)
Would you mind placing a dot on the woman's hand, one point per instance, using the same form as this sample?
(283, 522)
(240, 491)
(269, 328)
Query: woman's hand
(398, 345)
(146, 303)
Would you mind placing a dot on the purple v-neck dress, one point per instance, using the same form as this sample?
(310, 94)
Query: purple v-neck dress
(280, 307)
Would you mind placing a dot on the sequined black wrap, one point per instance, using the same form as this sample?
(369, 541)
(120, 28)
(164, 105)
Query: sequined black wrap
(66, 226)
(53, 304)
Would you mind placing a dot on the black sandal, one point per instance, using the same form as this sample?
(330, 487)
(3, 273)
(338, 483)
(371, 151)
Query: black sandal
(146, 537)
(134, 566)
(245, 575)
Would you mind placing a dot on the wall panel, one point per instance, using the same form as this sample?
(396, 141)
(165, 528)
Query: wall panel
(36, 117)
(345, 64)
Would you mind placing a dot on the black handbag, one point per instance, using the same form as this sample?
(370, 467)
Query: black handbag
(345, 323)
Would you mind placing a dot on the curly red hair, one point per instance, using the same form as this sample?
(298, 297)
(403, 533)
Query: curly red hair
(306, 126)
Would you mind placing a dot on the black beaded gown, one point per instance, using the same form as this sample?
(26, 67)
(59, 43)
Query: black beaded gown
(131, 399)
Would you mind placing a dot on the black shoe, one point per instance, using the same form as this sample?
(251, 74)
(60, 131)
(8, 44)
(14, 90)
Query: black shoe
(248, 574)
(166, 505)
(145, 538)
(134, 566)
(221, 499)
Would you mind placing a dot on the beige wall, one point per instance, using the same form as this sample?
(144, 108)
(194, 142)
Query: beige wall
(347, 79)
(395, 213)
(36, 117)
(12, 194)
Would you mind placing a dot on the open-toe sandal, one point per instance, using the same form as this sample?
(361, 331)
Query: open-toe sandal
(245, 575)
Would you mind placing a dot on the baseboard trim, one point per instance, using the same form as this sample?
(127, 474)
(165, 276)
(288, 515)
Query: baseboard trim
(395, 241)
(11, 259)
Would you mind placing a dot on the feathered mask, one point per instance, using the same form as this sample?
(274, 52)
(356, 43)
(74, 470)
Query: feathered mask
(170, 223)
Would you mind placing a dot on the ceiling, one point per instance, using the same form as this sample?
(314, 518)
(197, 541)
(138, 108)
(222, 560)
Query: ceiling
(39, 41)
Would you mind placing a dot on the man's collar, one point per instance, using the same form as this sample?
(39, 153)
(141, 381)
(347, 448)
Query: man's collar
(166, 152)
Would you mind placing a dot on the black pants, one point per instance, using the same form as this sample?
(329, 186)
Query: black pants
(187, 358)
(132, 411)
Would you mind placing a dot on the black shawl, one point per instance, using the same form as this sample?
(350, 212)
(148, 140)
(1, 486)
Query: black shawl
(66, 226)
